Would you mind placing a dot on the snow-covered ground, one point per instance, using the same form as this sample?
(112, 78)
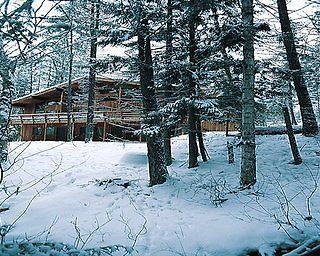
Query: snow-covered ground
(73, 193)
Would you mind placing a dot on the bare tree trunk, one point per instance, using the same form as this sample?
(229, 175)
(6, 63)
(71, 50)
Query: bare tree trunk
(293, 144)
(227, 126)
(94, 26)
(230, 152)
(168, 82)
(290, 104)
(69, 90)
(309, 121)
(293, 118)
(192, 121)
(202, 148)
(248, 160)
(157, 168)
(192, 132)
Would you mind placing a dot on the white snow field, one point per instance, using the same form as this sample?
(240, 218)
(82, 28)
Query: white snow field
(97, 194)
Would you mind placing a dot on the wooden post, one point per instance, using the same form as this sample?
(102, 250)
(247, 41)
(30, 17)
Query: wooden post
(72, 127)
(119, 102)
(59, 109)
(227, 127)
(22, 129)
(293, 144)
(21, 133)
(45, 128)
(104, 130)
(230, 152)
(203, 151)
(110, 128)
(140, 136)
(119, 98)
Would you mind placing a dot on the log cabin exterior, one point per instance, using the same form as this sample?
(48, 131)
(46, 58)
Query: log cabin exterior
(44, 113)
(117, 108)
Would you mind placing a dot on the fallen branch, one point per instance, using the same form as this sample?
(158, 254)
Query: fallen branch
(3, 209)
(310, 247)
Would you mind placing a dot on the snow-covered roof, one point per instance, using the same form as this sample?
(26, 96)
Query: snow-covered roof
(53, 92)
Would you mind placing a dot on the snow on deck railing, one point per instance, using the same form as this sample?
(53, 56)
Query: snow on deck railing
(76, 117)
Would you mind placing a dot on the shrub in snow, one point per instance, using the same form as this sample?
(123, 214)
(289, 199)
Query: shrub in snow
(59, 249)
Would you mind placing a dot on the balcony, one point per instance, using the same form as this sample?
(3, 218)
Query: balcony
(58, 118)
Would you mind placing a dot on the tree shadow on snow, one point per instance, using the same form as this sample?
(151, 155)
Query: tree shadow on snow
(134, 158)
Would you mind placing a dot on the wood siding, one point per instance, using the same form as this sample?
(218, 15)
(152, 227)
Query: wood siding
(117, 108)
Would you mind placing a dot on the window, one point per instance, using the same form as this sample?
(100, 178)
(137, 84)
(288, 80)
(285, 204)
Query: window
(37, 131)
(51, 131)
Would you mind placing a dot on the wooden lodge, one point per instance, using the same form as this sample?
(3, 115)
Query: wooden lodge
(43, 114)
(117, 106)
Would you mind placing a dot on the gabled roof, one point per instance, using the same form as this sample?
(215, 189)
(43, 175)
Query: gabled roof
(53, 93)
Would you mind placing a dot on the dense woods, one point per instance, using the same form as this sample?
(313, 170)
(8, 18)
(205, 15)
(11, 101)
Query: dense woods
(197, 66)
(253, 63)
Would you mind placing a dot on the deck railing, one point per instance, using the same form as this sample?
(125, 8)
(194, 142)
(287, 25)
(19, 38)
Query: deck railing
(76, 117)
(115, 117)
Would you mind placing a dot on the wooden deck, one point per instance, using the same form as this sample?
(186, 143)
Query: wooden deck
(76, 117)
(39, 126)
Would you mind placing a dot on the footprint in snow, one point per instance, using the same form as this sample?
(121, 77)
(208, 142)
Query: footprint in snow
(110, 205)
(51, 188)
(71, 181)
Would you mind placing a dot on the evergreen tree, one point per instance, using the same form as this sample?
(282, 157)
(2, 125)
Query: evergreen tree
(168, 77)
(15, 27)
(6, 96)
(47, 63)
(192, 90)
(311, 61)
(248, 158)
(157, 168)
